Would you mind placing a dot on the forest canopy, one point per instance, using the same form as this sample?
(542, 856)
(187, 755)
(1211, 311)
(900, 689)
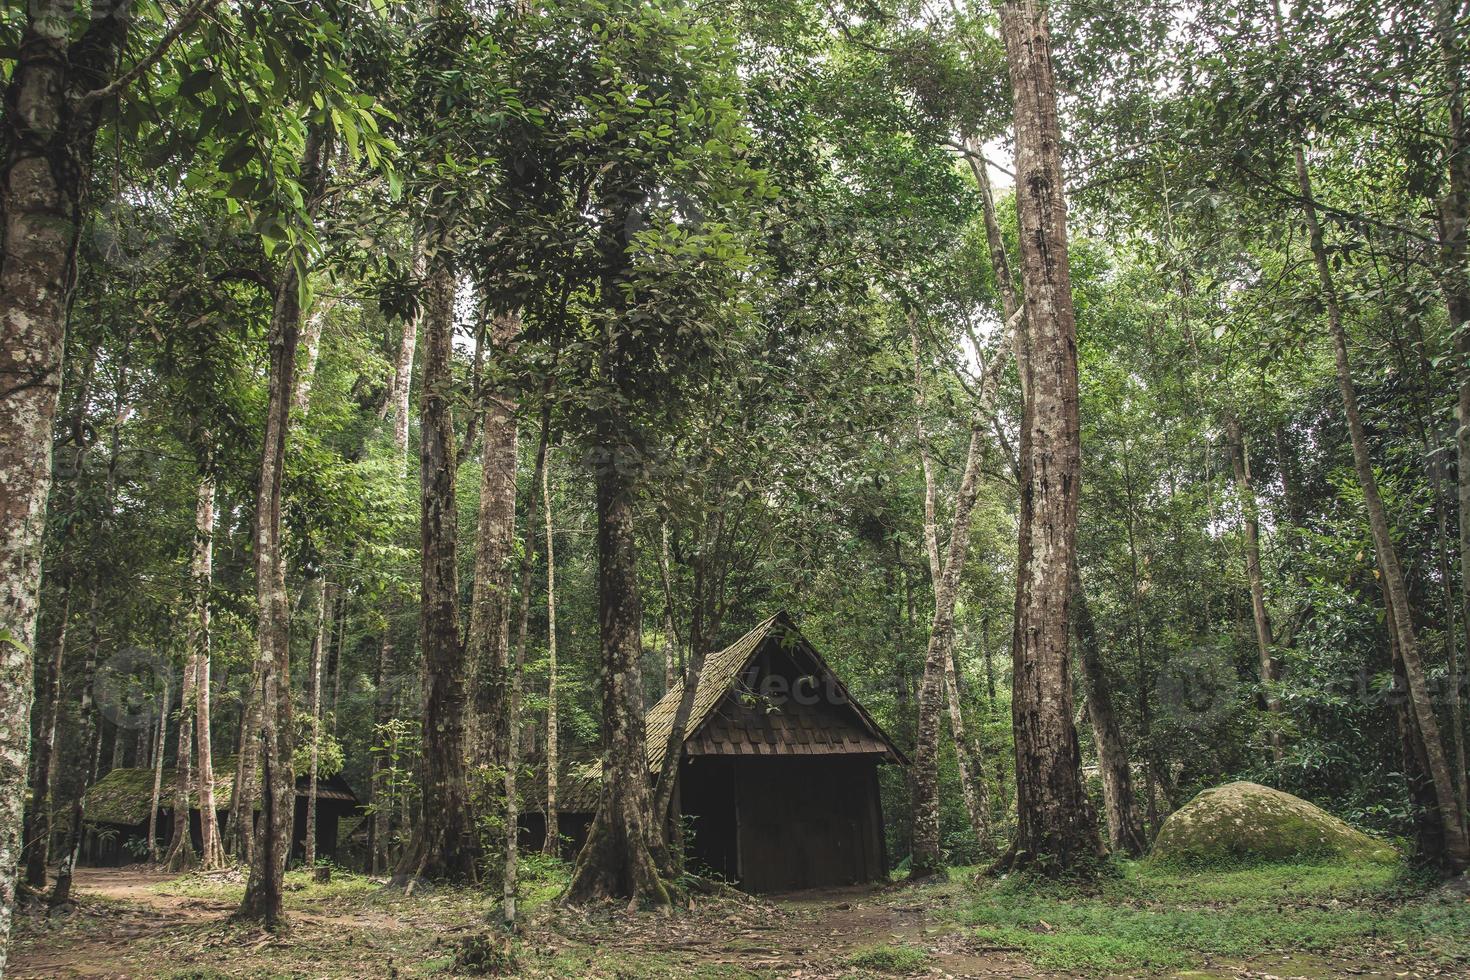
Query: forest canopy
(412, 394)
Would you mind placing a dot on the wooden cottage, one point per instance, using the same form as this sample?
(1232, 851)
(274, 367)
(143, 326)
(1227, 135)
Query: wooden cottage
(778, 776)
(117, 813)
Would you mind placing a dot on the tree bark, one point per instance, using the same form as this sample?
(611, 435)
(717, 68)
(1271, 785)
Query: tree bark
(271, 677)
(671, 639)
(1455, 283)
(211, 852)
(396, 403)
(513, 683)
(927, 859)
(38, 844)
(181, 855)
(396, 406)
(973, 784)
(310, 349)
(314, 698)
(445, 843)
(1000, 263)
(1250, 511)
(1124, 833)
(492, 597)
(158, 747)
(239, 833)
(47, 134)
(617, 859)
(1056, 831)
(553, 830)
(945, 579)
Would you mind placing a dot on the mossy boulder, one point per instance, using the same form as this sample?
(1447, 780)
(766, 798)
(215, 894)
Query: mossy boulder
(1241, 823)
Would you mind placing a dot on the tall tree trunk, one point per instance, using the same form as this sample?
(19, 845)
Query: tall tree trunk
(1056, 831)
(1124, 834)
(314, 697)
(973, 785)
(315, 586)
(1455, 281)
(671, 637)
(334, 662)
(989, 660)
(492, 597)
(239, 828)
(158, 748)
(91, 741)
(1000, 262)
(308, 352)
(927, 859)
(509, 880)
(38, 844)
(1250, 509)
(42, 819)
(396, 406)
(1428, 823)
(700, 640)
(925, 785)
(396, 401)
(553, 830)
(1457, 847)
(271, 677)
(181, 855)
(1456, 855)
(945, 577)
(617, 859)
(445, 844)
(382, 704)
(47, 133)
(91, 726)
(211, 853)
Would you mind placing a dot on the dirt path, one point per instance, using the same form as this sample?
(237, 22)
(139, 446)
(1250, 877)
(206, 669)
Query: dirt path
(813, 936)
(838, 923)
(124, 927)
(90, 939)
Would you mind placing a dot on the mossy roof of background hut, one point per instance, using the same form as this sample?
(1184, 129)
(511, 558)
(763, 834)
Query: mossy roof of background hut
(123, 795)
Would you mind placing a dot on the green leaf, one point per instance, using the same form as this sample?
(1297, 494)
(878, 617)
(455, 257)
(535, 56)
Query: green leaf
(238, 156)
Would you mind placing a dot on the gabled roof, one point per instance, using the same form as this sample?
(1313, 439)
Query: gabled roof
(721, 676)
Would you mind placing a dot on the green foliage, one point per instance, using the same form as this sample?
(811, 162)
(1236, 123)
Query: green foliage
(893, 958)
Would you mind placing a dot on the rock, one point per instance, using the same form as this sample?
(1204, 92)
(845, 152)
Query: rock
(1246, 822)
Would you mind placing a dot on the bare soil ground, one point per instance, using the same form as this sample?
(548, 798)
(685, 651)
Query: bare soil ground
(131, 922)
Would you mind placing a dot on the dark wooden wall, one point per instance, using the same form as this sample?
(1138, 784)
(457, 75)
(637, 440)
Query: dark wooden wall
(779, 824)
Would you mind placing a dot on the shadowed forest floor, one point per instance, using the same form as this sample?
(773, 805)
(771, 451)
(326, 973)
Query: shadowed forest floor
(1293, 921)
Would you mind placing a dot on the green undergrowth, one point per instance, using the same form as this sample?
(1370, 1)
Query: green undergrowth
(300, 889)
(899, 958)
(1151, 918)
(541, 880)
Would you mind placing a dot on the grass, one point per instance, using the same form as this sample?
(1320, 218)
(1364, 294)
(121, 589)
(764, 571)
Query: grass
(1147, 918)
(892, 958)
(298, 884)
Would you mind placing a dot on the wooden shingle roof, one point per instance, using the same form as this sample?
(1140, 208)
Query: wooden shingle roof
(726, 720)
